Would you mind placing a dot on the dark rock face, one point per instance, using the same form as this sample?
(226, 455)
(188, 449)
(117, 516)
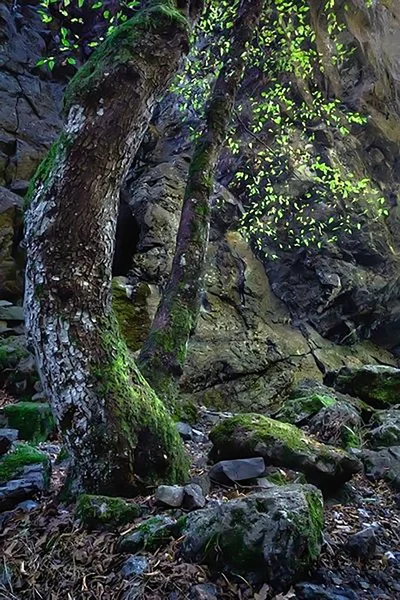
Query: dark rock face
(271, 536)
(29, 103)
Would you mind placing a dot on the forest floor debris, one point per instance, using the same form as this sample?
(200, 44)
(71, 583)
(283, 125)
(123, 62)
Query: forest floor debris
(46, 553)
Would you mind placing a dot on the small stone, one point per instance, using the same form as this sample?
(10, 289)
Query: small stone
(134, 566)
(227, 471)
(199, 437)
(362, 545)
(7, 437)
(169, 495)
(204, 591)
(193, 497)
(184, 430)
(27, 505)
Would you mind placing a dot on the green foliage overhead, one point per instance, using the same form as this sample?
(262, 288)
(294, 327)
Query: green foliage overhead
(296, 191)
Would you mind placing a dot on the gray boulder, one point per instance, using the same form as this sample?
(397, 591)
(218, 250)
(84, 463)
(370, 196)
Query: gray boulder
(272, 536)
(282, 445)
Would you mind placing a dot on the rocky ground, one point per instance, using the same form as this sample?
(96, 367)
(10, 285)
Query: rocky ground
(49, 552)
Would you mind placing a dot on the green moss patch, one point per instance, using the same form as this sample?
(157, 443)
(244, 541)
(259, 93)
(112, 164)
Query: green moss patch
(12, 464)
(104, 511)
(34, 420)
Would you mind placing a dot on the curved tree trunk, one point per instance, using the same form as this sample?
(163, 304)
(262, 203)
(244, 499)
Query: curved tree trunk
(116, 429)
(164, 352)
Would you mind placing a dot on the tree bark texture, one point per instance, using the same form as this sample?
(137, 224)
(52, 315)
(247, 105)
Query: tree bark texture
(117, 431)
(163, 354)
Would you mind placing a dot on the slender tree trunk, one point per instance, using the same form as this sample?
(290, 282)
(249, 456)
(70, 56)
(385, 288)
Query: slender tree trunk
(163, 354)
(118, 432)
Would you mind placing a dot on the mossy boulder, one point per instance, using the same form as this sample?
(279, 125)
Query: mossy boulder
(105, 512)
(34, 420)
(282, 445)
(384, 429)
(151, 534)
(377, 385)
(272, 536)
(299, 410)
(13, 463)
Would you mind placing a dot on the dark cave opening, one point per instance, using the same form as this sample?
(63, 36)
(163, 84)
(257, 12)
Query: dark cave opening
(127, 238)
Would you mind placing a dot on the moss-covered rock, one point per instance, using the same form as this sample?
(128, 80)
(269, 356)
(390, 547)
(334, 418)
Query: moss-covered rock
(298, 410)
(12, 464)
(272, 536)
(282, 445)
(34, 420)
(151, 534)
(105, 512)
(377, 385)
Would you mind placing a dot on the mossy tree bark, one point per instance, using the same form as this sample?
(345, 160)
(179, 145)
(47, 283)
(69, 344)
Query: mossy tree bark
(163, 354)
(117, 431)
